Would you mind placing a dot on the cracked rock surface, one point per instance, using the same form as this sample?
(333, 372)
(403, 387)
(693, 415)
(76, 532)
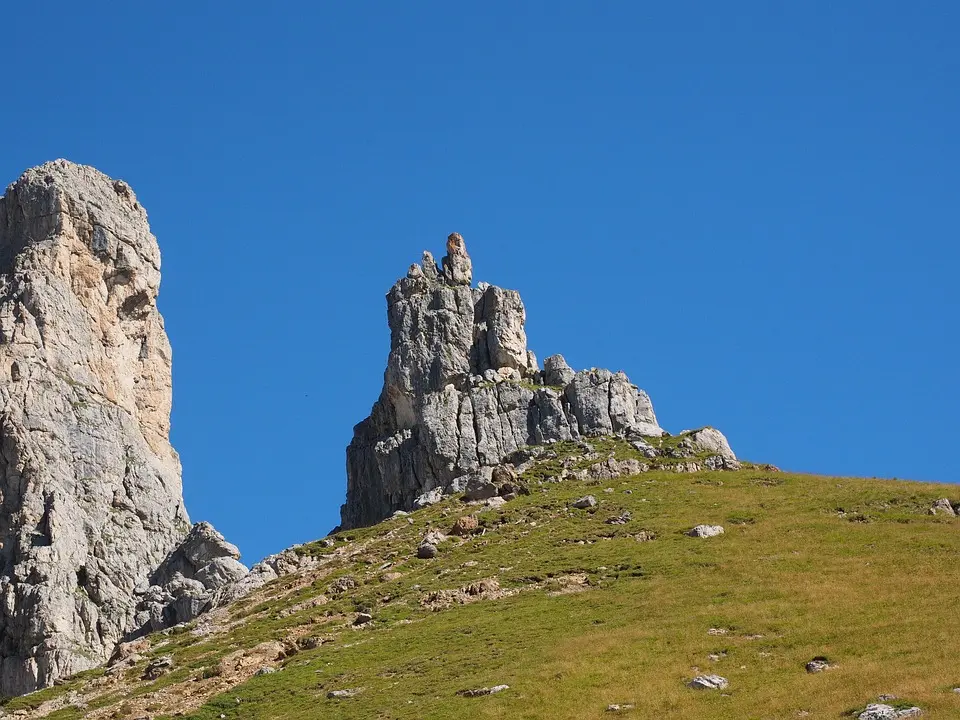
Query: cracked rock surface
(91, 490)
(461, 392)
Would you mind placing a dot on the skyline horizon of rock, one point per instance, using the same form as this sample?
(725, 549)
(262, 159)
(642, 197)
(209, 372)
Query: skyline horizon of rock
(462, 392)
(97, 546)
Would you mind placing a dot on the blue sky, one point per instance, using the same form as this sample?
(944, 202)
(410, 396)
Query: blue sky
(749, 207)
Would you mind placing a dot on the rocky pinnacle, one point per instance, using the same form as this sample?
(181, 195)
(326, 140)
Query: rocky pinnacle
(91, 491)
(461, 392)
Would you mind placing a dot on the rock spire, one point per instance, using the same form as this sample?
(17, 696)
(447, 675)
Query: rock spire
(461, 392)
(90, 485)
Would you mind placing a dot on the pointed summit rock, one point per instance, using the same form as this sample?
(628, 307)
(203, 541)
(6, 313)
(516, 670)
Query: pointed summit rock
(91, 490)
(462, 391)
(457, 268)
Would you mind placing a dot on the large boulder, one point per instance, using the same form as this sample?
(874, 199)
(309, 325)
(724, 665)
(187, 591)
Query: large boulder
(711, 440)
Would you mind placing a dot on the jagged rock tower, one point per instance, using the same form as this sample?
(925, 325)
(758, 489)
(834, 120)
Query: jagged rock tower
(91, 492)
(461, 392)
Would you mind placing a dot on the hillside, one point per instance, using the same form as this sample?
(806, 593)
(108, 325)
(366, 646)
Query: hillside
(576, 613)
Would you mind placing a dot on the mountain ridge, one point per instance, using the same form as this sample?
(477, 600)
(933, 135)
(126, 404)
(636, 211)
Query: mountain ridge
(462, 392)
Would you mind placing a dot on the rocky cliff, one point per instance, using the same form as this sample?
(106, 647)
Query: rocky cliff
(90, 485)
(462, 392)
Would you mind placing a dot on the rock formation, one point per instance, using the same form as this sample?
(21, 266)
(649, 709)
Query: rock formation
(91, 491)
(187, 581)
(461, 392)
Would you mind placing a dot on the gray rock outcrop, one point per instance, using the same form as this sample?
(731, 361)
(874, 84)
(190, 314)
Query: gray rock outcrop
(90, 485)
(270, 568)
(188, 580)
(461, 392)
(708, 682)
(705, 531)
(882, 711)
(710, 439)
(943, 507)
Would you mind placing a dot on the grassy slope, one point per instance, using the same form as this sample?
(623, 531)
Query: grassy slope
(875, 589)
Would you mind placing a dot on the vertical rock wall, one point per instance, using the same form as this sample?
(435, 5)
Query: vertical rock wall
(89, 483)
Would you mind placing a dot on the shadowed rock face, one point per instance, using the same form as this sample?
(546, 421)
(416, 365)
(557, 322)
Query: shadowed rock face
(91, 491)
(461, 392)
(187, 581)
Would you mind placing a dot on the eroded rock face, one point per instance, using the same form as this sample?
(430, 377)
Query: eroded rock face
(188, 580)
(461, 392)
(91, 491)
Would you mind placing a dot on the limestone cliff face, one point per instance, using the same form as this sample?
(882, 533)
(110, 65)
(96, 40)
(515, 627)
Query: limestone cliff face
(90, 485)
(461, 392)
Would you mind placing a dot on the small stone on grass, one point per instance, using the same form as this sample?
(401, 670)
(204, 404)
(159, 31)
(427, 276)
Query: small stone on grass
(480, 692)
(708, 682)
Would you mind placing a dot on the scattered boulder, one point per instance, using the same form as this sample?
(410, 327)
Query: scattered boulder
(486, 589)
(507, 482)
(943, 507)
(158, 667)
(584, 503)
(265, 670)
(643, 447)
(431, 497)
(611, 468)
(342, 584)
(480, 485)
(621, 519)
(466, 525)
(480, 692)
(708, 682)
(312, 642)
(427, 551)
(129, 652)
(344, 694)
(620, 707)
(705, 531)
(434, 537)
(819, 664)
(881, 711)
(719, 462)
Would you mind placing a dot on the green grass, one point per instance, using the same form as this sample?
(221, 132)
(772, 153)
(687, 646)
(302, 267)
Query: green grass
(852, 569)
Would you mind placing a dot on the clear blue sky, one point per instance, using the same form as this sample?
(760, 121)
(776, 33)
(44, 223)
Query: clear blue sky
(750, 207)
